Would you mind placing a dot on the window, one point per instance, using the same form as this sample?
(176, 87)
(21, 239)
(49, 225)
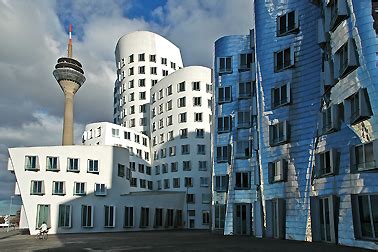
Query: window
(169, 90)
(153, 70)
(339, 12)
(243, 149)
(148, 170)
(43, 215)
(365, 210)
(142, 95)
(277, 171)
(164, 61)
(115, 132)
(142, 82)
(129, 217)
(204, 182)
(225, 65)
(196, 101)
(182, 117)
(131, 84)
(174, 167)
(284, 59)
(164, 167)
(173, 65)
(224, 94)
(31, 163)
(141, 57)
(58, 188)
(206, 198)
(79, 188)
(200, 133)
(152, 58)
(132, 166)
(219, 215)
(224, 124)
(131, 71)
(275, 218)
(100, 189)
(149, 185)
(161, 123)
(347, 58)
(186, 166)
(163, 153)
(153, 82)
(131, 58)
(141, 70)
(157, 169)
(128, 173)
(165, 72)
(278, 133)
(158, 184)
(172, 151)
(201, 150)
(161, 137)
(52, 164)
(133, 182)
(37, 187)
(169, 218)
(161, 109)
(161, 96)
(142, 183)
(209, 88)
(242, 180)
(245, 90)
(181, 86)
(93, 166)
(166, 183)
(205, 217)
(109, 216)
(144, 141)
(196, 86)
(202, 165)
(246, 60)
(184, 133)
(158, 217)
(324, 218)
(141, 168)
(64, 216)
(287, 23)
(132, 108)
(280, 95)
(87, 215)
(326, 163)
(359, 106)
(170, 133)
(185, 149)
(244, 119)
(188, 182)
(363, 156)
(330, 119)
(144, 217)
(176, 182)
(181, 102)
(190, 198)
(223, 153)
(198, 117)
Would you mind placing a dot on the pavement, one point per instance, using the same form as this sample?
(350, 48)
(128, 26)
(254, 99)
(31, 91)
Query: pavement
(183, 240)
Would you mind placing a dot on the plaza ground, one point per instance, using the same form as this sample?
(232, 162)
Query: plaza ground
(158, 241)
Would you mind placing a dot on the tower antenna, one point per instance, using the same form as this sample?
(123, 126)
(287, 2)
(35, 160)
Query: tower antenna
(70, 42)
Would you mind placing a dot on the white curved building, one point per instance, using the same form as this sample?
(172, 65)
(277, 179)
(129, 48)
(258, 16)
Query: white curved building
(180, 138)
(142, 59)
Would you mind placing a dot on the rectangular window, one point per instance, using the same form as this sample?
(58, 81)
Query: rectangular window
(64, 216)
(339, 12)
(149, 185)
(174, 167)
(206, 198)
(224, 124)
(205, 217)
(245, 90)
(148, 170)
(129, 217)
(196, 86)
(152, 58)
(31, 163)
(109, 216)
(326, 163)
(144, 217)
(100, 189)
(165, 72)
(176, 182)
(196, 101)
(246, 60)
(166, 183)
(186, 166)
(164, 61)
(169, 90)
(365, 212)
(277, 171)
(188, 182)
(185, 149)
(219, 215)
(184, 133)
(43, 215)
(141, 70)
(190, 198)
(142, 95)
(181, 102)
(153, 70)
(200, 133)
(276, 218)
(158, 184)
(284, 59)
(209, 88)
(242, 180)
(131, 58)
(170, 135)
(115, 132)
(131, 71)
(87, 215)
(181, 86)
(202, 165)
(223, 153)
(287, 23)
(224, 94)
(280, 95)
(173, 65)
(225, 65)
(278, 133)
(141, 168)
(52, 164)
(131, 84)
(141, 57)
(93, 166)
(79, 188)
(244, 119)
(133, 182)
(172, 151)
(204, 182)
(363, 157)
(201, 149)
(360, 108)
(37, 187)
(169, 218)
(164, 167)
(243, 149)
(198, 117)
(221, 183)
(182, 117)
(121, 170)
(163, 153)
(58, 188)
(158, 217)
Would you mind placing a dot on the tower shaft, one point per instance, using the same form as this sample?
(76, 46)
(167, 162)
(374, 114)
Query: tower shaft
(69, 88)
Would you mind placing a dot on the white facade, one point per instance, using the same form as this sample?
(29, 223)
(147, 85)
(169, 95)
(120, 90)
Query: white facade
(180, 138)
(142, 59)
(104, 196)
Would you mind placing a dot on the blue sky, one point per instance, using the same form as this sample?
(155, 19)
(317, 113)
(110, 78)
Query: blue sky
(34, 36)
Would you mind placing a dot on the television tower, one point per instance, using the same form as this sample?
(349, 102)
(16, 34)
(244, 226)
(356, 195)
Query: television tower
(70, 76)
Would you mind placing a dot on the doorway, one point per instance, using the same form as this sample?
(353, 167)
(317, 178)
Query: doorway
(242, 219)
